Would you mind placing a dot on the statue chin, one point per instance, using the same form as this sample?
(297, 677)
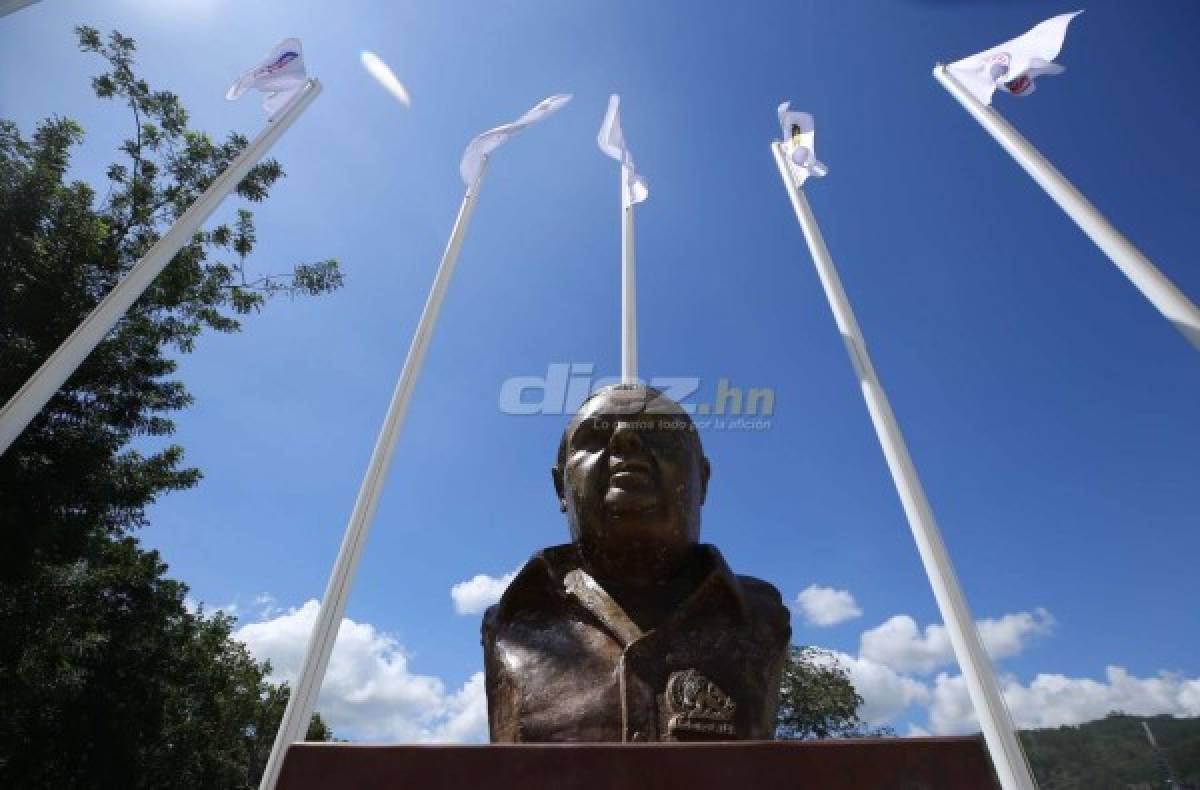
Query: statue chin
(637, 548)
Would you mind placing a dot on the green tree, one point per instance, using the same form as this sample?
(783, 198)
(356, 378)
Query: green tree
(118, 685)
(817, 699)
(106, 678)
(72, 473)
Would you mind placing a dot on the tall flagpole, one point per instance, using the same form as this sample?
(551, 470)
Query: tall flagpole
(629, 360)
(66, 359)
(333, 604)
(994, 718)
(1161, 292)
(9, 6)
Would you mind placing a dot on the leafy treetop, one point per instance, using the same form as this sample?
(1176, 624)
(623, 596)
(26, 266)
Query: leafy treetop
(61, 249)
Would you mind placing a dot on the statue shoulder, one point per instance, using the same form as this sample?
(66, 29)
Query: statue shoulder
(766, 603)
(761, 591)
(535, 589)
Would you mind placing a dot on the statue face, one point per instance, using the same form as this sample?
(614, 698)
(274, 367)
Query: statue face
(631, 479)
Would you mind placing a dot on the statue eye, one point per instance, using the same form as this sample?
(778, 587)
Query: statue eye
(591, 434)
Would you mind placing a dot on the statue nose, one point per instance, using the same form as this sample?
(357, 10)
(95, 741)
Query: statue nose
(624, 439)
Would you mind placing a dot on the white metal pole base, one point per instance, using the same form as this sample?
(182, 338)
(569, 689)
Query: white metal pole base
(1162, 293)
(333, 604)
(994, 719)
(66, 359)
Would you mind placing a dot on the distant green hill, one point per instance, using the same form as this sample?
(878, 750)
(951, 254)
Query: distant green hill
(1113, 754)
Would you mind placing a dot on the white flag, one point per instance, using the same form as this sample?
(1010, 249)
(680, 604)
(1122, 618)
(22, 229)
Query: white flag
(612, 142)
(1014, 65)
(280, 75)
(799, 143)
(472, 159)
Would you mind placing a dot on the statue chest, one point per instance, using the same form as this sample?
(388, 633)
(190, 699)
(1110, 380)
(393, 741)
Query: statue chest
(568, 679)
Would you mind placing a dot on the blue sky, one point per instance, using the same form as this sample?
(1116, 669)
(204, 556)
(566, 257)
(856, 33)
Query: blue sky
(1049, 408)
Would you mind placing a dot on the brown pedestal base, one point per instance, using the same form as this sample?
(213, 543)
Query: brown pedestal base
(868, 764)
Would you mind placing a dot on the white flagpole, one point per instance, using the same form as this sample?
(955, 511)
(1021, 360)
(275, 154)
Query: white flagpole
(629, 360)
(9, 6)
(1161, 292)
(998, 730)
(333, 605)
(66, 359)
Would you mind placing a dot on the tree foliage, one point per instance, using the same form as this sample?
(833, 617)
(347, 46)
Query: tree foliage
(61, 249)
(1114, 753)
(116, 684)
(107, 679)
(817, 699)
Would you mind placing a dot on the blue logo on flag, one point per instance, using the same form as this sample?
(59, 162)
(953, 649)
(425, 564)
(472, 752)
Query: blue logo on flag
(279, 63)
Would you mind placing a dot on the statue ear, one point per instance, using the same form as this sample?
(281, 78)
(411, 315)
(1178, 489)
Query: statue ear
(556, 473)
(705, 473)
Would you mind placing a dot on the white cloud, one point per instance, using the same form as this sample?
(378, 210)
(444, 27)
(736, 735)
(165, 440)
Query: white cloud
(1053, 700)
(886, 693)
(893, 655)
(825, 606)
(480, 592)
(266, 605)
(369, 692)
(900, 644)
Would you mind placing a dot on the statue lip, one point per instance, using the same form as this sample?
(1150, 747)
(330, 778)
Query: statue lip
(630, 473)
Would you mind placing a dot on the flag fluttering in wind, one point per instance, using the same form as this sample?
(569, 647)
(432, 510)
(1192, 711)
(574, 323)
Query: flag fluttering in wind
(280, 76)
(385, 76)
(472, 159)
(799, 142)
(612, 142)
(1014, 65)
(27, 402)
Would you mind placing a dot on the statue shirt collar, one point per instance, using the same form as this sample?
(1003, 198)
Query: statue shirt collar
(556, 573)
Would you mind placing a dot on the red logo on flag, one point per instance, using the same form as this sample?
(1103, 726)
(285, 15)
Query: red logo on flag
(1020, 86)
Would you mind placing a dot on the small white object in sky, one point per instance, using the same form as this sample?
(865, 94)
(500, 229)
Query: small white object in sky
(385, 77)
(482, 145)
(611, 140)
(280, 75)
(799, 141)
(1014, 65)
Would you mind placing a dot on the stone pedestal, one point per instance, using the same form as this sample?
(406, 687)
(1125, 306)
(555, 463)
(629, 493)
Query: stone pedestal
(867, 764)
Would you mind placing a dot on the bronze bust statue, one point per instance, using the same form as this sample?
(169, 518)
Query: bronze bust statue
(634, 631)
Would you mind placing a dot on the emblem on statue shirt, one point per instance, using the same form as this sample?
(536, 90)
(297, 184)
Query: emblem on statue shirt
(695, 706)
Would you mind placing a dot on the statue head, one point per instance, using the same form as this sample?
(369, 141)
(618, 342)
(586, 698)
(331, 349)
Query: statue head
(631, 477)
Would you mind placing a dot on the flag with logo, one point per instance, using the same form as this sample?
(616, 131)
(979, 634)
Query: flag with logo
(471, 164)
(612, 142)
(799, 143)
(1014, 65)
(280, 75)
